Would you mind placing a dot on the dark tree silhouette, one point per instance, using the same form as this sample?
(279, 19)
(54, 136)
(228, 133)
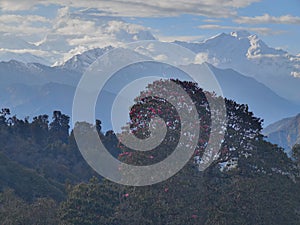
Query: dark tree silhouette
(59, 127)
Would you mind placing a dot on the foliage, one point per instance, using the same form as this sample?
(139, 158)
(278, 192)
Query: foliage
(88, 204)
(251, 181)
(26, 182)
(296, 153)
(248, 183)
(15, 211)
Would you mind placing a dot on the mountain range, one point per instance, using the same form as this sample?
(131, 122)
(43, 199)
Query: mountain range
(247, 70)
(249, 55)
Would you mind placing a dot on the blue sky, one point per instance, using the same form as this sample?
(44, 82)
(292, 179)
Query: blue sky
(276, 22)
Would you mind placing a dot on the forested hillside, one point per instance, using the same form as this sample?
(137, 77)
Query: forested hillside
(45, 180)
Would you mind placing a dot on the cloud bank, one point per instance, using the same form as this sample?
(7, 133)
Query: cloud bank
(268, 19)
(140, 8)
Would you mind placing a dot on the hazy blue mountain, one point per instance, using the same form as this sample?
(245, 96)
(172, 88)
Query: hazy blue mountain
(264, 102)
(285, 132)
(33, 89)
(35, 74)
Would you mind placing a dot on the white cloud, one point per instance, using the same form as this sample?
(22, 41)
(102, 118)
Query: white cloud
(116, 26)
(12, 18)
(28, 24)
(146, 50)
(295, 74)
(72, 33)
(267, 19)
(259, 30)
(13, 5)
(211, 21)
(22, 51)
(91, 42)
(161, 57)
(75, 27)
(201, 58)
(181, 38)
(81, 27)
(68, 33)
(141, 8)
(22, 29)
(151, 51)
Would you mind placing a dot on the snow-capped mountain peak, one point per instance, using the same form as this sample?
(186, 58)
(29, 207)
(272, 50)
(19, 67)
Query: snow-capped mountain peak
(258, 47)
(249, 55)
(240, 34)
(81, 62)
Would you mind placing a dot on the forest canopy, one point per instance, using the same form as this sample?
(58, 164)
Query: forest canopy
(45, 180)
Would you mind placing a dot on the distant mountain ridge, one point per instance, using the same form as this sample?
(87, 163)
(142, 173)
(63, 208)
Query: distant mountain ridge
(285, 133)
(33, 89)
(264, 102)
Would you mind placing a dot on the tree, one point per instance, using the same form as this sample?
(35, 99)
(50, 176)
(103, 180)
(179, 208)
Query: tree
(88, 204)
(3, 113)
(247, 193)
(296, 153)
(40, 129)
(59, 127)
(98, 126)
(177, 201)
(16, 211)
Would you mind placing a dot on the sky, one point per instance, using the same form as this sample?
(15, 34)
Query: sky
(70, 27)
